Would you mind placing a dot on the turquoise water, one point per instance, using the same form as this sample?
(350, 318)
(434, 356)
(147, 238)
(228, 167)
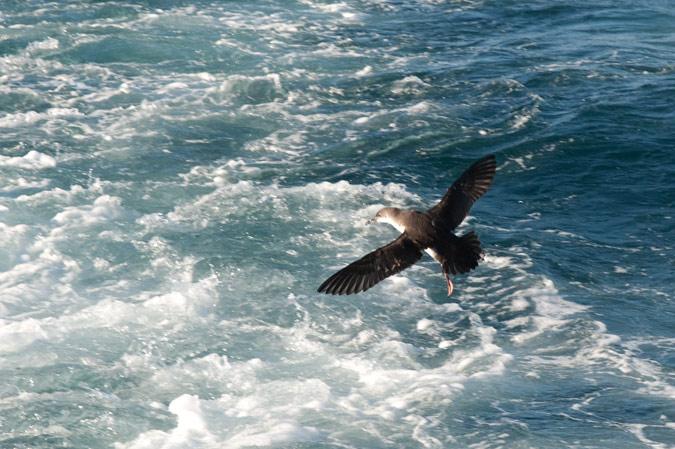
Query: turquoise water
(177, 178)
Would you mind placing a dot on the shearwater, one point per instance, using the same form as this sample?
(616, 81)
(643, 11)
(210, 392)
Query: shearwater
(430, 231)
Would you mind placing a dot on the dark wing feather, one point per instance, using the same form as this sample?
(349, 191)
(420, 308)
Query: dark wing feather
(459, 198)
(373, 267)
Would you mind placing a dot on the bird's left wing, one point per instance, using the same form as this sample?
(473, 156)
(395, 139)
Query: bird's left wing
(373, 267)
(459, 198)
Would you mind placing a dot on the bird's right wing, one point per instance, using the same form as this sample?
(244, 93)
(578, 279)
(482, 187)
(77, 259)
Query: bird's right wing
(373, 267)
(459, 198)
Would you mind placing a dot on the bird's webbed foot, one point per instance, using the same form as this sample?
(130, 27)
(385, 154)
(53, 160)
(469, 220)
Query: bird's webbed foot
(450, 286)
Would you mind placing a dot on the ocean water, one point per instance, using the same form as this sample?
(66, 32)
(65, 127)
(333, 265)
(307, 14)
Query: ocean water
(178, 177)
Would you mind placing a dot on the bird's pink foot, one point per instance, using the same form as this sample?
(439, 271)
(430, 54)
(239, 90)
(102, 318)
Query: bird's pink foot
(450, 287)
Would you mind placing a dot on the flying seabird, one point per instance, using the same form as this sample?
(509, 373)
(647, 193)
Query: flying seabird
(429, 231)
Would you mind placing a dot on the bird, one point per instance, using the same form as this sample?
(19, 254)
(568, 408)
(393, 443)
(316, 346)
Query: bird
(430, 231)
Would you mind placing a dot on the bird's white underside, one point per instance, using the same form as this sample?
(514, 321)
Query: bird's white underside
(400, 228)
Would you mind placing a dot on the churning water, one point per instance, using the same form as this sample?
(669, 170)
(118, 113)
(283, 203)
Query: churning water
(178, 177)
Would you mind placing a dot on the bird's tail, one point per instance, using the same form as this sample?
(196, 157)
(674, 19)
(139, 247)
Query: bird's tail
(466, 257)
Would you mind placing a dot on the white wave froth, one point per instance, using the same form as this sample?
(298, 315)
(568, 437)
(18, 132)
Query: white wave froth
(368, 396)
(31, 160)
(200, 422)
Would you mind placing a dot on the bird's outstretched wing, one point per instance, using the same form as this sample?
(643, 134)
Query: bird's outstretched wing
(373, 267)
(459, 198)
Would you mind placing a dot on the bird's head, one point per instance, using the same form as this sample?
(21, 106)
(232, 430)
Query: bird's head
(386, 215)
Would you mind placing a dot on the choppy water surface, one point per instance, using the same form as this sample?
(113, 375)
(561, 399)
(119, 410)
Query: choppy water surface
(177, 178)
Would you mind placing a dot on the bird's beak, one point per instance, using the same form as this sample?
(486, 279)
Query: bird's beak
(371, 221)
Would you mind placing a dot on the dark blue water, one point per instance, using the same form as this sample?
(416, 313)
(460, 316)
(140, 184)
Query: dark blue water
(177, 178)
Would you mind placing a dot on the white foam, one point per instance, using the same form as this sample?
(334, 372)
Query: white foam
(104, 208)
(19, 119)
(281, 433)
(358, 373)
(501, 262)
(639, 431)
(552, 323)
(156, 311)
(190, 418)
(331, 50)
(48, 44)
(425, 325)
(233, 81)
(521, 120)
(519, 304)
(31, 160)
(236, 422)
(410, 85)
(551, 313)
(367, 70)
(241, 196)
(342, 10)
(23, 184)
(177, 85)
